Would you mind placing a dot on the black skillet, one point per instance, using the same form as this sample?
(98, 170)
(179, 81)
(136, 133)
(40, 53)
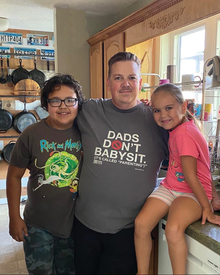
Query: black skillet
(6, 119)
(19, 73)
(23, 119)
(6, 151)
(37, 75)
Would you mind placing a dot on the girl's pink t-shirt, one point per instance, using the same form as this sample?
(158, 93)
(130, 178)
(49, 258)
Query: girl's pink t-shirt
(187, 140)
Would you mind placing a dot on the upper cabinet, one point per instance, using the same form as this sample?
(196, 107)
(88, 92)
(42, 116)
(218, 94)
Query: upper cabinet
(158, 18)
(112, 46)
(100, 53)
(96, 71)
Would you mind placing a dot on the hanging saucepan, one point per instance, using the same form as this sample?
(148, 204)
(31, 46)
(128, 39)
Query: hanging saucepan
(6, 119)
(23, 119)
(37, 75)
(6, 151)
(19, 74)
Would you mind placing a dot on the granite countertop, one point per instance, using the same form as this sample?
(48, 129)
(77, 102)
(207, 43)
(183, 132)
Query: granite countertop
(207, 234)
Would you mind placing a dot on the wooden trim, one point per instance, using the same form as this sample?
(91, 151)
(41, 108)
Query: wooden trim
(133, 19)
(184, 13)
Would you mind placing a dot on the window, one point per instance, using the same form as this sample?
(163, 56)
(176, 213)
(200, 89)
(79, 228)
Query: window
(190, 55)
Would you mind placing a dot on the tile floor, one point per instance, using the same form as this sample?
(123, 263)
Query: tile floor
(11, 252)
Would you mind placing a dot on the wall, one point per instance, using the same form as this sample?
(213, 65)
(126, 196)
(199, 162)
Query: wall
(72, 29)
(132, 8)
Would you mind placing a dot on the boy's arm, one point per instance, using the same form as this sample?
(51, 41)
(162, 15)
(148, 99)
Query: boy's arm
(17, 226)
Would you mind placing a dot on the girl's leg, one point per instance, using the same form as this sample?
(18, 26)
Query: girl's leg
(152, 211)
(182, 213)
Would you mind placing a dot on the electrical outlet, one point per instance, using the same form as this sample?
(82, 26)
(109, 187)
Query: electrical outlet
(8, 104)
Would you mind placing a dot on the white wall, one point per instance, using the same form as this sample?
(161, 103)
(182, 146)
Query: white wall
(72, 29)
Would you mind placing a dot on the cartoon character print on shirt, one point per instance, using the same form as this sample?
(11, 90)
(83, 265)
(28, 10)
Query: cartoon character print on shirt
(60, 170)
(61, 167)
(174, 166)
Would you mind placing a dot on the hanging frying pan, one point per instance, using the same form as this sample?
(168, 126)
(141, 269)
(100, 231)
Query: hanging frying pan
(6, 151)
(6, 119)
(37, 75)
(2, 79)
(23, 119)
(19, 74)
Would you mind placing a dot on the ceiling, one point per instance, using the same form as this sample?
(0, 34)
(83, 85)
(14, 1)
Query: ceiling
(38, 14)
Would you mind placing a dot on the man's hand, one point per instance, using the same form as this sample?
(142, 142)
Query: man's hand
(215, 203)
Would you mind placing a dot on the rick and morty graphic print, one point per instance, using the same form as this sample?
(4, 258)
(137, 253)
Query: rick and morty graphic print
(60, 170)
(61, 167)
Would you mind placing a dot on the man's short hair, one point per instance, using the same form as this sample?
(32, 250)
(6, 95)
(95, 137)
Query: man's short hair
(122, 56)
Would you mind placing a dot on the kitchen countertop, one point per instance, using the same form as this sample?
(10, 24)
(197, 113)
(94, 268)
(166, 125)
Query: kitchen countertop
(207, 234)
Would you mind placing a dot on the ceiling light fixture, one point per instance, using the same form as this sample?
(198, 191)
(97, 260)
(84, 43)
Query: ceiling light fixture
(4, 23)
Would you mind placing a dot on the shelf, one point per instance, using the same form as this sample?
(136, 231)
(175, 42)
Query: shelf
(13, 136)
(177, 84)
(38, 96)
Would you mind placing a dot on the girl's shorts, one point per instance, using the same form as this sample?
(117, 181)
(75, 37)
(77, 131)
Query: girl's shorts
(168, 196)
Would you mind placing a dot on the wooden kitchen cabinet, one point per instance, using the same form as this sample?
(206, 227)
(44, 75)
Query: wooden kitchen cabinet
(96, 71)
(100, 53)
(112, 46)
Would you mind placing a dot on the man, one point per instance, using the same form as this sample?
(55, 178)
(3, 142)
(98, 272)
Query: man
(123, 148)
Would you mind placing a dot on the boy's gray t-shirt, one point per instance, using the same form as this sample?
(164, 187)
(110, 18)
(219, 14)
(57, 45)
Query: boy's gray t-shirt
(53, 158)
(122, 152)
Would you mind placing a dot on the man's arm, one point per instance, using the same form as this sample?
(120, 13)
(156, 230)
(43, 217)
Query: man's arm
(215, 198)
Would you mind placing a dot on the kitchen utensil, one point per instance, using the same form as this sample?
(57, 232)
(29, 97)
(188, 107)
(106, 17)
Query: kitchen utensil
(23, 119)
(41, 112)
(142, 60)
(8, 76)
(48, 74)
(171, 73)
(19, 73)
(6, 119)
(2, 79)
(6, 151)
(27, 87)
(37, 75)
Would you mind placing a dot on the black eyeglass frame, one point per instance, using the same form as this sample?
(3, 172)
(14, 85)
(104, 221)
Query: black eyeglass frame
(63, 100)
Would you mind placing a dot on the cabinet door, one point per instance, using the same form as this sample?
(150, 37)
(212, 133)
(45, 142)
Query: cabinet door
(112, 46)
(96, 71)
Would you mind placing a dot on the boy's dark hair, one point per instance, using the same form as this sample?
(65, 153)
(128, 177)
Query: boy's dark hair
(55, 82)
(122, 56)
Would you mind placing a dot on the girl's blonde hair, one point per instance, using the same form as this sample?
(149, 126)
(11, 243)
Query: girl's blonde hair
(177, 94)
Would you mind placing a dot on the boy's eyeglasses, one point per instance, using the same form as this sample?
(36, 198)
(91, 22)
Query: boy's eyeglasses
(56, 102)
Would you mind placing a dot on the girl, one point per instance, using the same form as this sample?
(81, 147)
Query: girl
(186, 191)
(51, 150)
